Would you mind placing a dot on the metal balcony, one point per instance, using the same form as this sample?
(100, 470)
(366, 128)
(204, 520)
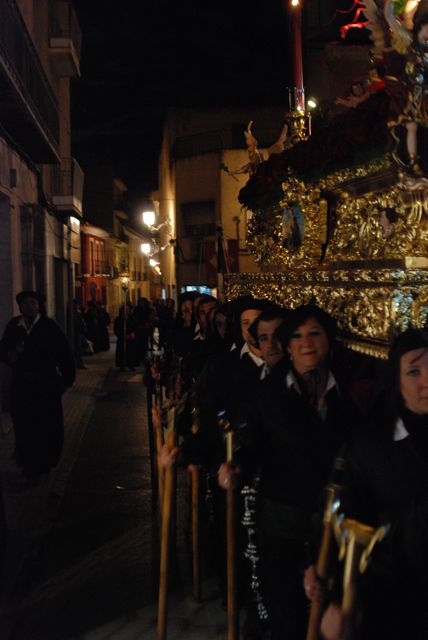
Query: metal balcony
(65, 39)
(28, 107)
(100, 268)
(67, 187)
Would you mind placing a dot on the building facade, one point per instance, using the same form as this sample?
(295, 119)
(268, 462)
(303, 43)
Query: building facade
(198, 191)
(40, 183)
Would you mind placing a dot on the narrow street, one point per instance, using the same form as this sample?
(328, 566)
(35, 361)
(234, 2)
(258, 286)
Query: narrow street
(82, 559)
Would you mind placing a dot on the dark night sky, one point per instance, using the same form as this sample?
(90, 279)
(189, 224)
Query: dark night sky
(139, 58)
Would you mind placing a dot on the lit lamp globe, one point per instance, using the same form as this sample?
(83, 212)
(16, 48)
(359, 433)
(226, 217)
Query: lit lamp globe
(149, 218)
(146, 248)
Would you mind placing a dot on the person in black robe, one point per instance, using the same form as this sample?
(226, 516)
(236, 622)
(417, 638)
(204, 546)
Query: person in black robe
(291, 431)
(125, 329)
(42, 366)
(386, 484)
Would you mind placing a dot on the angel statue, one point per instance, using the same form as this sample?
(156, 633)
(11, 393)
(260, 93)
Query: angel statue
(401, 42)
(255, 155)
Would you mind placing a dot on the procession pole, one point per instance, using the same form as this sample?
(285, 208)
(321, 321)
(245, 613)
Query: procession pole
(334, 489)
(195, 474)
(232, 608)
(166, 521)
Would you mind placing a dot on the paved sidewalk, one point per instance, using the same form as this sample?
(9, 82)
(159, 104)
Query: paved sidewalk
(187, 620)
(29, 513)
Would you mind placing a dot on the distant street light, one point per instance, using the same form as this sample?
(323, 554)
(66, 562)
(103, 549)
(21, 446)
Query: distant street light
(312, 103)
(124, 283)
(149, 218)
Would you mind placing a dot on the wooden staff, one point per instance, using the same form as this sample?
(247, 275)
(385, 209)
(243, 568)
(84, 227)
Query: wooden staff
(153, 453)
(167, 509)
(195, 489)
(232, 607)
(357, 543)
(159, 441)
(195, 475)
(324, 555)
(322, 568)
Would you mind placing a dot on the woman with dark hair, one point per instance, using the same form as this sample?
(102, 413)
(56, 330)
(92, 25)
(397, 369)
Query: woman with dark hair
(386, 483)
(291, 433)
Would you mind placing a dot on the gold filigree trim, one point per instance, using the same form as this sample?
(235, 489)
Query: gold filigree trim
(369, 305)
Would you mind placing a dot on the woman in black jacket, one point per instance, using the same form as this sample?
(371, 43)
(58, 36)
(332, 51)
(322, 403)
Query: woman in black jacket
(386, 483)
(291, 432)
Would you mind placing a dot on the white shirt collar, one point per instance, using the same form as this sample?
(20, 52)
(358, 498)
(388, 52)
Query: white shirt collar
(256, 359)
(400, 431)
(23, 324)
(291, 382)
(264, 372)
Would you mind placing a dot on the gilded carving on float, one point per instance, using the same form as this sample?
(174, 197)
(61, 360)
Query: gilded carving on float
(319, 221)
(370, 305)
(392, 224)
(292, 234)
(355, 239)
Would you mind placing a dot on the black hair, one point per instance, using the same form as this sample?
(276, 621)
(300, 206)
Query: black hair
(388, 402)
(35, 295)
(204, 299)
(274, 312)
(300, 316)
(418, 22)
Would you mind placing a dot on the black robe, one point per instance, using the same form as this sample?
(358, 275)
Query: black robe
(386, 483)
(293, 448)
(42, 368)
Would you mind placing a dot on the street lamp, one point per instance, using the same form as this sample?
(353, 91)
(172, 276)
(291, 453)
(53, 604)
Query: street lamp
(149, 218)
(124, 283)
(146, 248)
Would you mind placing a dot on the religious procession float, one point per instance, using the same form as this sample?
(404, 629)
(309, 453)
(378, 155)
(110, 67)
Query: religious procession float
(340, 216)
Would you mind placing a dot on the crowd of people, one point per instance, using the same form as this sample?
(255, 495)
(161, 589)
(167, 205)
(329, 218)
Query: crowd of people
(296, 399)
(90, 330)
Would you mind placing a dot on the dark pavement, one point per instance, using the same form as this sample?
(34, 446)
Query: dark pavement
(83, 549)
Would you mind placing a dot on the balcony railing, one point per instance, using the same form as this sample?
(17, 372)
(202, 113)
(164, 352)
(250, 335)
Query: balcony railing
(28, 108)
(101, 268)
(65, 38)
(67, 186)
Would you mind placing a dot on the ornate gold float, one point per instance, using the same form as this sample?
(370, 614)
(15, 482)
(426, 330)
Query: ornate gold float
(355, 242)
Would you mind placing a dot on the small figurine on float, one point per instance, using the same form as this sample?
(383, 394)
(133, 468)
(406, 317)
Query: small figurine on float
(401, 50)
(255, 155)
(388, 218)
(357, 94)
